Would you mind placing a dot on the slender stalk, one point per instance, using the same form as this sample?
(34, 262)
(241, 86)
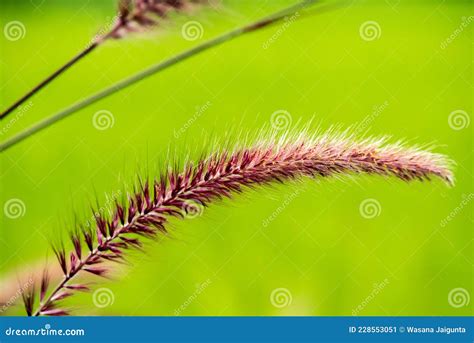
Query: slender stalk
(50, 78)
(137, 12)
(153, 70)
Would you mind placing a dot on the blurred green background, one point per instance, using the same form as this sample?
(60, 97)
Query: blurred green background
(297, 249)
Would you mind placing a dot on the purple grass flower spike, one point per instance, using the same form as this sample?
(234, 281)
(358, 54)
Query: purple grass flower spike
(139, 15)
(224, 172)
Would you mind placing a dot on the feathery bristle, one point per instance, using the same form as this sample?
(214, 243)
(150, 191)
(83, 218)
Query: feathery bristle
(270, 159)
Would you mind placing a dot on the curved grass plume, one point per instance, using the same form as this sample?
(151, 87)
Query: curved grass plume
(179, 192)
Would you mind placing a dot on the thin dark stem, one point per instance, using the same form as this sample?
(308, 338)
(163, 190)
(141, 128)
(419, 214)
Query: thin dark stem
(272, 19)
(50, 78)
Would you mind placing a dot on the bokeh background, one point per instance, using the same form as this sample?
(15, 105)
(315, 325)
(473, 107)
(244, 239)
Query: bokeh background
(353, 246)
